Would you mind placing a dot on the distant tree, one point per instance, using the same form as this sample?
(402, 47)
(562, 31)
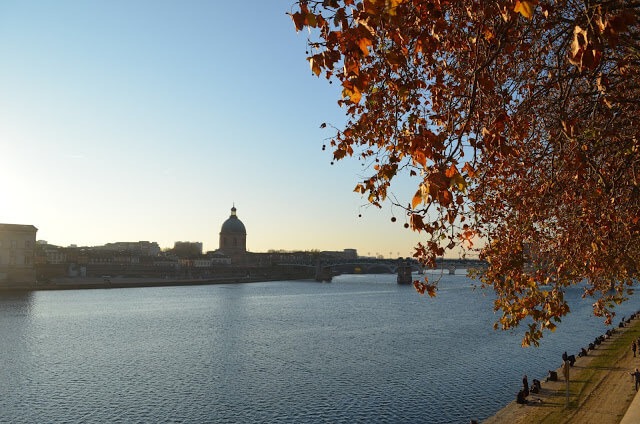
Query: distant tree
(518, 120)
(187, 250)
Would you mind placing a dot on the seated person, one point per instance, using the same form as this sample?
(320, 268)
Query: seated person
(521, 398)
(553, 376)
(535, 387)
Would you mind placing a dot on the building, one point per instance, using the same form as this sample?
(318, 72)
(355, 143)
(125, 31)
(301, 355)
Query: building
(17, 252)
(344, 254)
(233, 236)
(217, 258)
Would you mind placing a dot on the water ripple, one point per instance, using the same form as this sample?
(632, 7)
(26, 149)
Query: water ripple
(283, 352)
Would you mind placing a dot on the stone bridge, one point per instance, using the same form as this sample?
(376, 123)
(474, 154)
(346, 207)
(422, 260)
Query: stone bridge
(328, 267)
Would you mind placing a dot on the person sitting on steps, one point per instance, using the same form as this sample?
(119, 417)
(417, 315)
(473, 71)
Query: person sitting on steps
(521, 399)
(535, 387)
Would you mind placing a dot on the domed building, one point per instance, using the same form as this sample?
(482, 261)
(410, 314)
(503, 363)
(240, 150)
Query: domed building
(233, 236)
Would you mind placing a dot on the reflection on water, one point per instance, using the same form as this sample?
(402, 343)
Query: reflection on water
(359, 349)
(18, 301)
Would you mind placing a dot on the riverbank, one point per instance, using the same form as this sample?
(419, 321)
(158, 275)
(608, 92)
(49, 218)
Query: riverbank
(113, 283)
(600, 387)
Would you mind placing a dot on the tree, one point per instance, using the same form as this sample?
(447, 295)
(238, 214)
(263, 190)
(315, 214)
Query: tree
(518, 121)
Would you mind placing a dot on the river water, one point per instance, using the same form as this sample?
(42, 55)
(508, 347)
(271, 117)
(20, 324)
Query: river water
(361, 349)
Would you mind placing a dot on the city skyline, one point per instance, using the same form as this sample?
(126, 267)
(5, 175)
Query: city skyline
(149, 120)
(112, 244)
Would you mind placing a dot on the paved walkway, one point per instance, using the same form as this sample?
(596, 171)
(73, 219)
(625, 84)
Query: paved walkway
(607, 390)
(633, 413)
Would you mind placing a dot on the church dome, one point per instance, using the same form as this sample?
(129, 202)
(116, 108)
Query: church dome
(233, 224)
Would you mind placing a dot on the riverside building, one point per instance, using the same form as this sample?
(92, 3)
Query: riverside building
(233, 237)
(17, 250)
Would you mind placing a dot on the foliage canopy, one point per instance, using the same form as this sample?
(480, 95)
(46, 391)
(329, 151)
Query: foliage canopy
(518, 120)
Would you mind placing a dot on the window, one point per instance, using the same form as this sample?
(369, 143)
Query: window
(14, 244)
(27, 244)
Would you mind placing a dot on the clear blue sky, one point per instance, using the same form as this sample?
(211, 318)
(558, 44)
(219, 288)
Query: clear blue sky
(146, 120)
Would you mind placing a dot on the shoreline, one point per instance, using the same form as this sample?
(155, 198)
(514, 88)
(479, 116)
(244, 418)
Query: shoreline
(119, 283)
(600, 390)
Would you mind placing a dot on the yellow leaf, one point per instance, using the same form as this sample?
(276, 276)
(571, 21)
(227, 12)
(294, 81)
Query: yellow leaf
(458, 181)
(354, 95)
(391, 6)
(525, 8)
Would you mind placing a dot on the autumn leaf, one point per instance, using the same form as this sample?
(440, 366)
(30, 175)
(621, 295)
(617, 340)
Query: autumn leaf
(469, 170)
(421, 196)
(449, 173)
(392, 6)
(417, 199)
(525, 8)
(431, 290)
(459, 182)
(420, 158)
(353, 94)
(364, 44)
(416, 222)
(371, 6)
(315, 68)
(298, 20)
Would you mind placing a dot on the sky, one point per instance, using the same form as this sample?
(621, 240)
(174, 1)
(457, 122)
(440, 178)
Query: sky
(127, 120)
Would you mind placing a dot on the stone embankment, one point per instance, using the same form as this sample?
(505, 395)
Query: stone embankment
(600, 387)
(110, 283)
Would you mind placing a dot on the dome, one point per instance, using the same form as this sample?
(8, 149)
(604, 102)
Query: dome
(233, 224)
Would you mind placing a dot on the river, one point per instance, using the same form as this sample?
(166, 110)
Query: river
(360, 349)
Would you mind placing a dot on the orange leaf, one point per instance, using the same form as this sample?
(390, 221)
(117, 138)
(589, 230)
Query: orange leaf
(469, 170)
(420, 158)
(451, 171)
(364, 44)
(417, 199)
(431, 290)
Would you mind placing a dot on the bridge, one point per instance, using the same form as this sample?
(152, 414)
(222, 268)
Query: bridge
(328, 266)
